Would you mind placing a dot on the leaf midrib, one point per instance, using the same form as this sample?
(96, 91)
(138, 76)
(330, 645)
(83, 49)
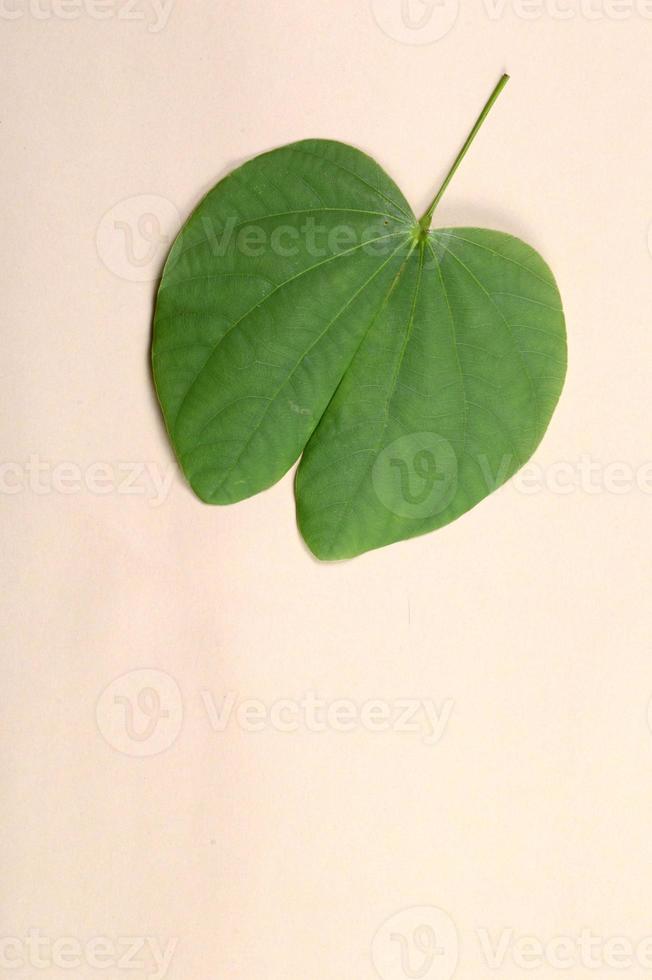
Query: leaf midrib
(397, 370)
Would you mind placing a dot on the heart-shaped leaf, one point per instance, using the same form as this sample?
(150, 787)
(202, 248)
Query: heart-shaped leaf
(303, 308)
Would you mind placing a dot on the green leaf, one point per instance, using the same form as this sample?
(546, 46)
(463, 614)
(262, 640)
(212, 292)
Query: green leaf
(304, 309)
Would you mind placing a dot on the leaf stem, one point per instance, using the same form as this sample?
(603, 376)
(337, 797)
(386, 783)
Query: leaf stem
(427, 218)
